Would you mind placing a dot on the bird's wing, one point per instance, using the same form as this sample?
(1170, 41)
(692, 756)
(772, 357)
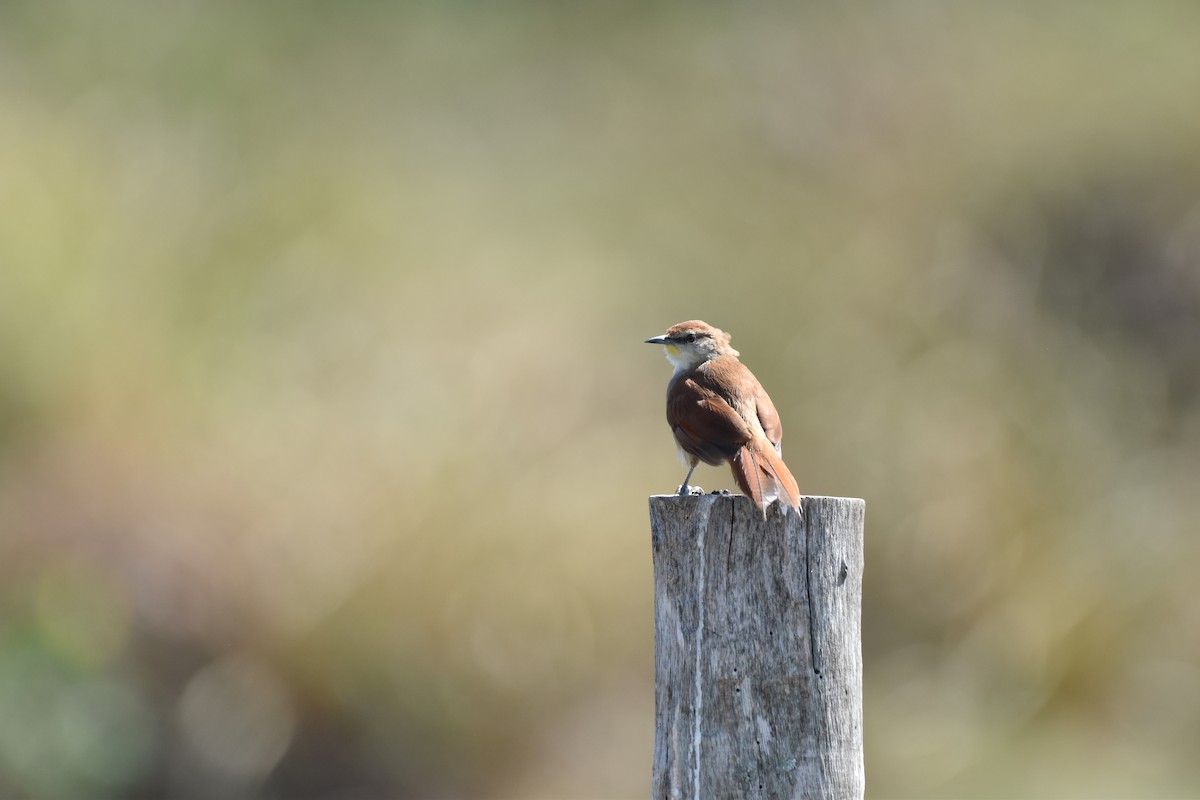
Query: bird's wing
(704, 424)
(769, 418)
(731, 379)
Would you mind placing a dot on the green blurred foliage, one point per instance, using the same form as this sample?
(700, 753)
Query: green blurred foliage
(326, 426)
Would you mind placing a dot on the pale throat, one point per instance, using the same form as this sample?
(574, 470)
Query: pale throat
(683, 358)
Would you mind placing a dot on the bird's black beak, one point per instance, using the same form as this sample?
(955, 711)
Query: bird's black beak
(657, 340)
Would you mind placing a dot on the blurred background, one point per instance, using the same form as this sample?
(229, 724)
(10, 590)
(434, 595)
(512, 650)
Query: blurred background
(326, 426)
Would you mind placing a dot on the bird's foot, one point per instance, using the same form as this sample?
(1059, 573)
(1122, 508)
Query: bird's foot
(686, 491)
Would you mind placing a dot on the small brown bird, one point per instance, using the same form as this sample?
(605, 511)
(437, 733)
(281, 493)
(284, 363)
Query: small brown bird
(719, 411)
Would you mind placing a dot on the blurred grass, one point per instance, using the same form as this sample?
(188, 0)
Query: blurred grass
(326, 427)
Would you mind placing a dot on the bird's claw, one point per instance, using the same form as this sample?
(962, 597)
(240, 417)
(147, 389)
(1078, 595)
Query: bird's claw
(686, 491)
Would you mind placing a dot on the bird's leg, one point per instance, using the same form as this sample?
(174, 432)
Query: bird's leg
(684, 489)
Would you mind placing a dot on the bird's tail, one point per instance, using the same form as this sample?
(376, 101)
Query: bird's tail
(762, 475)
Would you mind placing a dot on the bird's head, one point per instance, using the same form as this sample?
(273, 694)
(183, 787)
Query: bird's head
(691, 343)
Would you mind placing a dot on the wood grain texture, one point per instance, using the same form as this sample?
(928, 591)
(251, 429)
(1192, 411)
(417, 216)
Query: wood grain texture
(758, 659)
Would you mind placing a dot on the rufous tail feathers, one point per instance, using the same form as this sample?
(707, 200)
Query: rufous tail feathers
(763, 476)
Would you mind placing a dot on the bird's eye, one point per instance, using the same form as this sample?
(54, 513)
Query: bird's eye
(691, 337)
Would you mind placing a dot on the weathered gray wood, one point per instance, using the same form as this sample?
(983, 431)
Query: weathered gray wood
(758, 660)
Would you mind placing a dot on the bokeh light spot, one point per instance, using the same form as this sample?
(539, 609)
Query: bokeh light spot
(107, 732)
(83, 612)
(237, 717)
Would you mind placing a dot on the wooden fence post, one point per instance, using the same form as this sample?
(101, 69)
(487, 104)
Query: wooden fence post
(757, 647)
